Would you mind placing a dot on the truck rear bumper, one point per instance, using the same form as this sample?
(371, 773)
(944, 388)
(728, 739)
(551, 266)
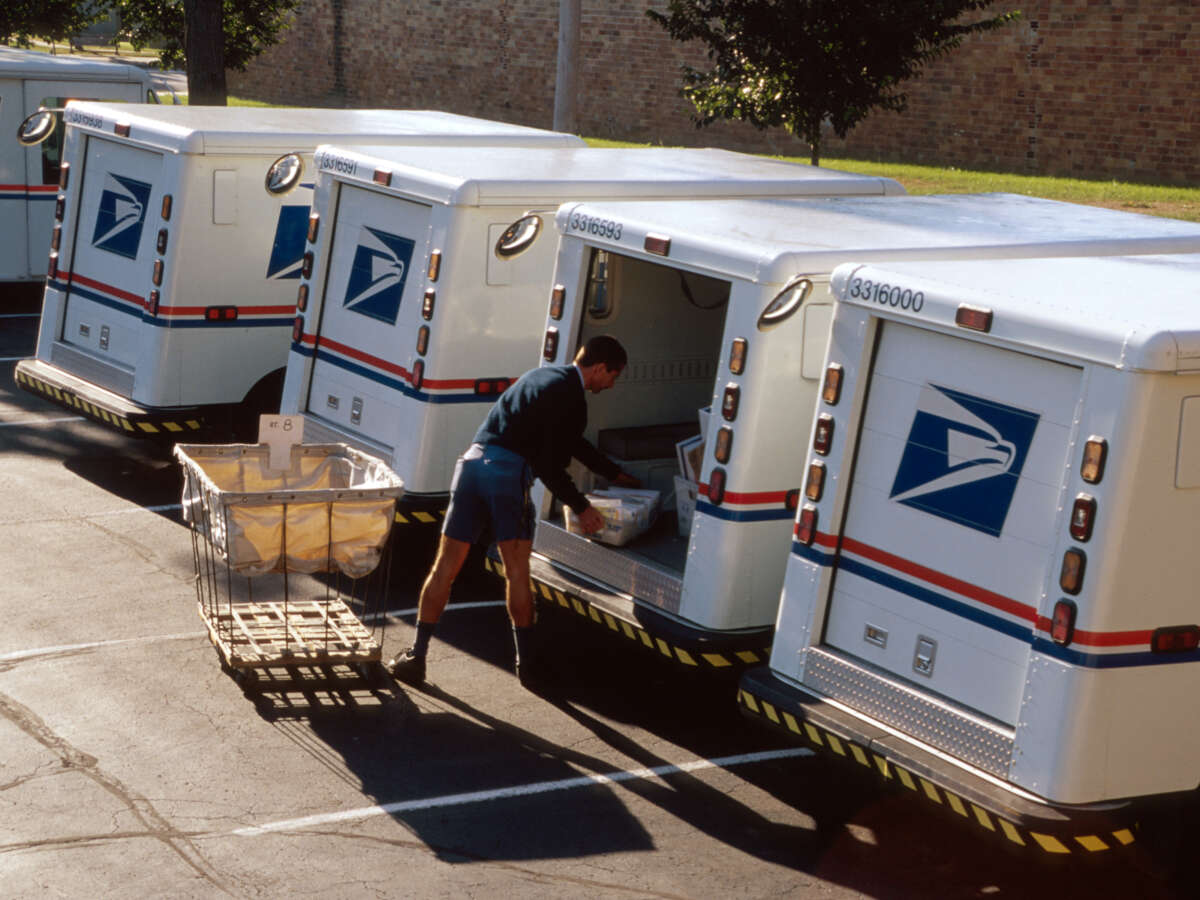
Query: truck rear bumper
(693, 648)
(102, 405)
(831, 729)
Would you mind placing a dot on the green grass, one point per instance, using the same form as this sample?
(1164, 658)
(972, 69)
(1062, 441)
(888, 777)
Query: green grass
(1159, 200)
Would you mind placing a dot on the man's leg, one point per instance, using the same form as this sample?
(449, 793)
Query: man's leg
(519, 600)
(409, 665)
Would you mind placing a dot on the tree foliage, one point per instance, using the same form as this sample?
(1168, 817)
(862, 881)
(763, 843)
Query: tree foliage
(803, 63)
(50, 20)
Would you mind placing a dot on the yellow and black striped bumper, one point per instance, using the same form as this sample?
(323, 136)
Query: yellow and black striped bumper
(721, 659)
(429, 518)
(104, 406)
(1003, 814)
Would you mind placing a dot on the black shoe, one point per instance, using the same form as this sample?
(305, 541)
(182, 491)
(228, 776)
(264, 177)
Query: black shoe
(407, 668)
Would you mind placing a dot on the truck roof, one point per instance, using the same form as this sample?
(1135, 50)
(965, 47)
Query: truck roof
(1130, 312)
(244, 129)
(17, 63)
(772, 240)
(549, 175)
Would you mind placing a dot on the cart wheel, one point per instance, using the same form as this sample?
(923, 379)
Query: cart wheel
(372, 674)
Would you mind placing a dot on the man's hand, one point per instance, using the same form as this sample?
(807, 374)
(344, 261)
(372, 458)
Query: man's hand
(591, 521)
(627, 480)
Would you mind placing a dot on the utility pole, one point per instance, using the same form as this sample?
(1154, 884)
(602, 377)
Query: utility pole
(565, 93)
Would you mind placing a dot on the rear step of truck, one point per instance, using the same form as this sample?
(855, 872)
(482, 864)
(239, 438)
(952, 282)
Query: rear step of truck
(558, 587)
(104, 406)
(1027, 823)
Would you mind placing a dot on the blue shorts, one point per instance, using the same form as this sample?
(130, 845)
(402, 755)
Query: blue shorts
(490, 488)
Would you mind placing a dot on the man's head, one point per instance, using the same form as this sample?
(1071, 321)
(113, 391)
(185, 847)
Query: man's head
(601, 360)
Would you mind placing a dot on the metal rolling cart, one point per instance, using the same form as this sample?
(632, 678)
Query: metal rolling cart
(283, 556)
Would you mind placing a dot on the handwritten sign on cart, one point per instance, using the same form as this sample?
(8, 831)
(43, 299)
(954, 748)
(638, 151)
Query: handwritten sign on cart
(280, 433)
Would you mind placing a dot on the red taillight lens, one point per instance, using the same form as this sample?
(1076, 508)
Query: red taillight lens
(823, 435)
(550, 345)
(1095, 452)
(791, 500)
(815, 486)
(831, 390)
(658, 244)
(418, 374)
(729, 402)
(121, 129)
(221, 313)
(806, 525)
(1083, 517)
(1062, 626)
(1070, 578)
(974, 317)
(486, 387)
(382, 176)
(737, 356)
(152, 303)
(427, 302)
(724, 445)
(298, 329)
(716, 487)
(56, 237)
(558, 298)
(1176, 639)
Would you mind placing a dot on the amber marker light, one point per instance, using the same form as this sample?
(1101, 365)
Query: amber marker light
(1095, 453)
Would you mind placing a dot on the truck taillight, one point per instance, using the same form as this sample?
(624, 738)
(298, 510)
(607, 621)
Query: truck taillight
(974, 317)
(435, 265)
(56, 237)
(64, 176)
(383, 177)
(1176, 639)
(422, 340)
(550, 345)
(60, 208)
(314, 227)
(298, 329)
(815, 486)
(302, 297)
(806, 526)
(152, 303)
(418, 374)
(490, 387)
(165, 209)
(121, 129)
(52, 265)
(156, 275)
(1070, 577)
(716, 487)
(724, 445)
(160, 243)
(427, 302)
(737, 356)
(221, 313)
(791, 500)
(1083, 516)
(558, 298)
(729, 402)
(1062, 624)
(831, 390)
(1095, 452)
(306, 267)
(823, 434)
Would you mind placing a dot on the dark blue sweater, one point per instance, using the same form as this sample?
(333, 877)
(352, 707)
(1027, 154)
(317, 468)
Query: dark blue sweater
(542, 416)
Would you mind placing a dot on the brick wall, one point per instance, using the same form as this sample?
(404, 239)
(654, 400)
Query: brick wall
(1091, 88)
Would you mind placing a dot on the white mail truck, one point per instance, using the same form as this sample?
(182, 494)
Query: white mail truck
(172, 276)
(427, 274)
(31, 81)
(990, 598)
(726, 305)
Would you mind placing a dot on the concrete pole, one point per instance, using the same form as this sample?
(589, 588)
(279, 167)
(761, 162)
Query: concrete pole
(565, 91)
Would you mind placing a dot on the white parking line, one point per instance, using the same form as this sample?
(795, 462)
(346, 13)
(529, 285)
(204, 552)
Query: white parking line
(42, 421)
(522, 790)
(12, 358)
(20, 315)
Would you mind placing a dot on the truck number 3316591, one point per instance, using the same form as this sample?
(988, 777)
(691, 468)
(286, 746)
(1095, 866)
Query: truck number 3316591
(886, 294)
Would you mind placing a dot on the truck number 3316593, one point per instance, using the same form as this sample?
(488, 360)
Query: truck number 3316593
(606, 228)
(886, 294)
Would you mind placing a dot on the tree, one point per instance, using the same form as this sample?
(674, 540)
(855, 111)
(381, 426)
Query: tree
(188, 31)
(804, 63)
(51, 20)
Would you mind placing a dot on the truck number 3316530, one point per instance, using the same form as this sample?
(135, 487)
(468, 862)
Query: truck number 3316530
(886, 294)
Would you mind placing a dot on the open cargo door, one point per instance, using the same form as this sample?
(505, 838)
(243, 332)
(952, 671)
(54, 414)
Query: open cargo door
(951, 517)
(112, 262)
(378, 241)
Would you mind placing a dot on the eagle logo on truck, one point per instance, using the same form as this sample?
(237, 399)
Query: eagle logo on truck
(963, 458)
(378, 273)
(287, 250)
(121, 215)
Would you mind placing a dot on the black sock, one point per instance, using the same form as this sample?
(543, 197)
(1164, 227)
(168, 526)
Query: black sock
(424, 633)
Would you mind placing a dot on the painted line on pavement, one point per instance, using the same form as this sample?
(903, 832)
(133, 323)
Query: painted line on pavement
(42, 421)
(20, 315)
(523, 790)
